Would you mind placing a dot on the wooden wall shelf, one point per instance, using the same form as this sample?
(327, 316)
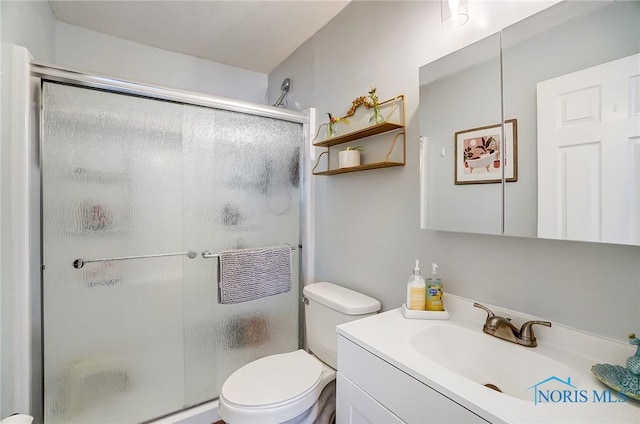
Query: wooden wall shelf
(366, 167)
(362, 133)
(394, 123)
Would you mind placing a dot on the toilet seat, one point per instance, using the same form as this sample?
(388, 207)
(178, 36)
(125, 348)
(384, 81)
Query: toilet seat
(275, 388)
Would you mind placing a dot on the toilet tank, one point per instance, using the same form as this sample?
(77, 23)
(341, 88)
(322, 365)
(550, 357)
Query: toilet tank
(326, 306)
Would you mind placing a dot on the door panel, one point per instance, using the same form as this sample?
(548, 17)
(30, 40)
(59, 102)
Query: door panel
(588, 127)
(113, 329)
(128, 340)
(241, 190)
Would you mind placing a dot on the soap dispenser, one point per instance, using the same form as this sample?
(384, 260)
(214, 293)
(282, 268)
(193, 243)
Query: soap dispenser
(434, 291)
(416, 290)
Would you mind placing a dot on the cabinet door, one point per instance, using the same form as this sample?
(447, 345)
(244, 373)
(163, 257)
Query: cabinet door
(403, 395)
(588, 122)
(355, 406)
(460, 115)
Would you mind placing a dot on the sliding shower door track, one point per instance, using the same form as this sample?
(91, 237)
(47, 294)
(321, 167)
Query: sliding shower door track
(71, 76)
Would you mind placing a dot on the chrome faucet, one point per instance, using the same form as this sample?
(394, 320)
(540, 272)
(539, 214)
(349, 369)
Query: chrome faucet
(502, 328)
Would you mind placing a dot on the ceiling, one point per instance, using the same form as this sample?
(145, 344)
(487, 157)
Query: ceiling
(253, 35)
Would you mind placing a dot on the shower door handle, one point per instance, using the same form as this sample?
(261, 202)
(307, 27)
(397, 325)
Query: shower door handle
(79, 263)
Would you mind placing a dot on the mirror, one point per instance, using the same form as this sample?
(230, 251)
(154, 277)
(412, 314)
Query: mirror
(458, 93)
(566, 162)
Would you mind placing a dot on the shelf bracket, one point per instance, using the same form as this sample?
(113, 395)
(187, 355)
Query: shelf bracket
(393, 146)
(326, 152)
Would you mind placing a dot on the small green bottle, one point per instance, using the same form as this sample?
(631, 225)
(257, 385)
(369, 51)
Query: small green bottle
(434, 291)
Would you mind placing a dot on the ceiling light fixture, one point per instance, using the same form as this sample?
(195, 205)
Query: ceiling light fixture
(455, 13)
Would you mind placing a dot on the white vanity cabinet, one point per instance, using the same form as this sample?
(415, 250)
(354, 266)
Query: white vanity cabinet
(397, 370)
(370, 390)
(353, 405)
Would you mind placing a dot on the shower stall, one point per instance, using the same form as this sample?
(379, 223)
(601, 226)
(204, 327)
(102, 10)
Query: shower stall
(138, 186)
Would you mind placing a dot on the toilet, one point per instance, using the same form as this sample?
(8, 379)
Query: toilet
(299, 386)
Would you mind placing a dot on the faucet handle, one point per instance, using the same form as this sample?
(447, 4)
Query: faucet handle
(526, 331)
(491, 322)
(490, 313)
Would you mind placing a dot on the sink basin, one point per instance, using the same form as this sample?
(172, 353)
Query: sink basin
(551, 383)
(486, 360)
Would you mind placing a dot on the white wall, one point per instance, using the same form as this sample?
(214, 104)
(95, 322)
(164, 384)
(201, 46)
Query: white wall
(83, 49)
(29, 24)
(367, 223)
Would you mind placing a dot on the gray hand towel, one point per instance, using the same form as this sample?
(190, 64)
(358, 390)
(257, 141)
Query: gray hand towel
(249, 274)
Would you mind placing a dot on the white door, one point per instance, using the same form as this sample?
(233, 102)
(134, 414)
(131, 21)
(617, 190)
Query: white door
(589, 154)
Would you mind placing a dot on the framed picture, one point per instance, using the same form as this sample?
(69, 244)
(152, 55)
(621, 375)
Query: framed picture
(479, 157)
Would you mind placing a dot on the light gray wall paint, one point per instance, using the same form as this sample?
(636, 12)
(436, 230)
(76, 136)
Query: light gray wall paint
(367, 223)
(93, 51)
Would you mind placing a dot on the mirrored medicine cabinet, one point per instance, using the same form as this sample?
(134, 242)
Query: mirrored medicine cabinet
(535, 131)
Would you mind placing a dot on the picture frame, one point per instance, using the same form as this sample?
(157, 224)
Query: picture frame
(479, 156)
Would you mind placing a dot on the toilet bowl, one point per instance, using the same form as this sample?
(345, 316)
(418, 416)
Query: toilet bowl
(275, 389)
(297, 387)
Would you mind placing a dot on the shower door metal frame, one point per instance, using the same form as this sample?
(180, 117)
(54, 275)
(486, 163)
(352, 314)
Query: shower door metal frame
(49, 72)
(66, 75)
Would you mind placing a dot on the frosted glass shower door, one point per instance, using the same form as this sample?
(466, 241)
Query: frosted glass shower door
(131, 332)
(241, 190)
(112, 187)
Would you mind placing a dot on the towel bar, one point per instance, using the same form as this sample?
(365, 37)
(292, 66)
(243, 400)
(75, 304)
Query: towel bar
(79, 263)
(208, 255)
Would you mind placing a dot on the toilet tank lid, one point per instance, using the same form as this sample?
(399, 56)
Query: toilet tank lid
(341, 298)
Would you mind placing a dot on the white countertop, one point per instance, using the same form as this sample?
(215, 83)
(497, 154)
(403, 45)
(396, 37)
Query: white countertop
(389, 336)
